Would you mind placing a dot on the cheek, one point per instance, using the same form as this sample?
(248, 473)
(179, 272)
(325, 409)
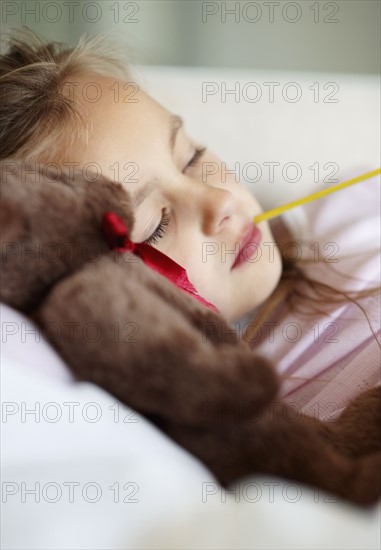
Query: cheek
(189, 252)
(201, 265)
(217, 286)
(198, 260)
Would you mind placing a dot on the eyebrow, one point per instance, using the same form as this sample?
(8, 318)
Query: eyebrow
(140, 195)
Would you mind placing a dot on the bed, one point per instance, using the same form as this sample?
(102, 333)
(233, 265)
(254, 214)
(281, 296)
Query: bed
(80, 470)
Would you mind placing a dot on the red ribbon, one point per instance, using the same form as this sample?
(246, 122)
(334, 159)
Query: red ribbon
(116, 234)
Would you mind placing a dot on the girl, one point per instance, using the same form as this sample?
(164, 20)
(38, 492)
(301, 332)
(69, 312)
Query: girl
(277, 284)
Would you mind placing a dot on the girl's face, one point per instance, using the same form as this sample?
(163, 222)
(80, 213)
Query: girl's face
(185, 204)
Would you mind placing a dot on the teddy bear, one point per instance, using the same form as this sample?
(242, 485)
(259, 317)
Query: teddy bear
(127, 319)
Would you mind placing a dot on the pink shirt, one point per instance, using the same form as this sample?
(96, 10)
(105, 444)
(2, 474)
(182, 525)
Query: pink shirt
(327, 359)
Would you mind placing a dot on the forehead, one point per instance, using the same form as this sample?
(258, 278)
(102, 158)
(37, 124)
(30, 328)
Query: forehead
(117, 114)
(125, 125)
(102, 98)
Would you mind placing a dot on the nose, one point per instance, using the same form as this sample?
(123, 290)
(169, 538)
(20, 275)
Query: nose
(213, 206)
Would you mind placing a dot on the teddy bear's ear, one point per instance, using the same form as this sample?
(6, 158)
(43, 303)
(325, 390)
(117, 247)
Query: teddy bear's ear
(51, 225)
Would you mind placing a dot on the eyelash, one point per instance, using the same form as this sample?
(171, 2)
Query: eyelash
(166, 218)
(160, 230)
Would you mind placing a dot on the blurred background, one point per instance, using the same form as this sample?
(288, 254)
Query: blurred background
(340, 36)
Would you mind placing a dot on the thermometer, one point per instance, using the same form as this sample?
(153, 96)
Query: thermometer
(274, 212)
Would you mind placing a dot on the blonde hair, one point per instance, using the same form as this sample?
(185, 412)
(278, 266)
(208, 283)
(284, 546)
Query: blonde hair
(39, 118)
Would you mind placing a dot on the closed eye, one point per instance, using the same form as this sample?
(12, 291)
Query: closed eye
(166, 217)
(160, 230)
(196, 157)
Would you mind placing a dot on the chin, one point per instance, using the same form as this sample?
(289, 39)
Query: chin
(243, 306)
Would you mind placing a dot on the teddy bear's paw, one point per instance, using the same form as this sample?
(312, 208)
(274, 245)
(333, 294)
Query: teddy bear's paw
(357, 432)
(365, 486)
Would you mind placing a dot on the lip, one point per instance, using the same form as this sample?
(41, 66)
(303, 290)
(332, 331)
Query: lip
(248, 245)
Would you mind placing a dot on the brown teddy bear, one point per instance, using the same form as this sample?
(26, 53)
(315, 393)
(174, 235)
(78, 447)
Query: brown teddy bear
(126, 327)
